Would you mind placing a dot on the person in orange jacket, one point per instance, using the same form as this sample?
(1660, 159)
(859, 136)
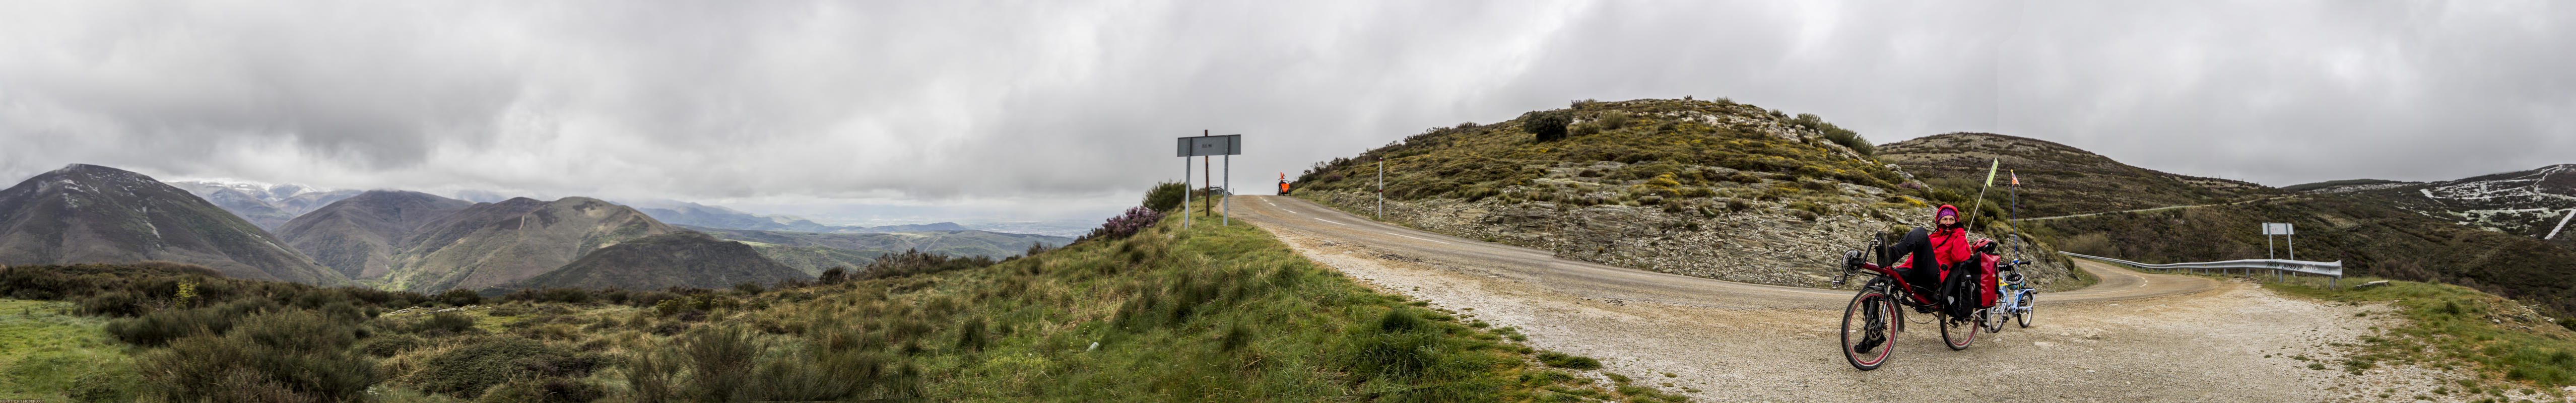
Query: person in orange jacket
(1945, 245)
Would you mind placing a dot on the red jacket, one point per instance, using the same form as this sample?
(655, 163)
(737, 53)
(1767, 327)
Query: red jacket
(1949, 245)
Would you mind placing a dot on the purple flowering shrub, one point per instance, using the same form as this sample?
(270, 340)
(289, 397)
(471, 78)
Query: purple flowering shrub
(1136, 219)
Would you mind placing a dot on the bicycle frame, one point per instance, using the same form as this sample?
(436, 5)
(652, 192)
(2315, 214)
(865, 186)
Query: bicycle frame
(1887, 275)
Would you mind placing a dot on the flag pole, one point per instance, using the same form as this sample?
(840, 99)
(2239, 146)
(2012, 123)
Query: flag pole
(1981, 194)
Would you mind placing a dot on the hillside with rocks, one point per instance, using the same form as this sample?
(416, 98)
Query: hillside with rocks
(1712, 189)
(2058, 179)
(2537, 203)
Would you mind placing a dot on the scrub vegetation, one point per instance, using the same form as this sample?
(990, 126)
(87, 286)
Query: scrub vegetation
(1213, 313)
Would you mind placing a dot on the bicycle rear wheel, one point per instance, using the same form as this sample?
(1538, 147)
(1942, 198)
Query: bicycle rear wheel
(1869, 330)
(1993, 318)
(1957, 332)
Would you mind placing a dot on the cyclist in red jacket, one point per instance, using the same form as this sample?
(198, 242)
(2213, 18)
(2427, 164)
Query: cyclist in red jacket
(1945, 245)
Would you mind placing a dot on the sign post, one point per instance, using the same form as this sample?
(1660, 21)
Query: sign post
(1206, 145)
(2284, 230)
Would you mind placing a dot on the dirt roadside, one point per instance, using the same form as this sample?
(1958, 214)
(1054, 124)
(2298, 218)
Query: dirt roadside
(2134, 338)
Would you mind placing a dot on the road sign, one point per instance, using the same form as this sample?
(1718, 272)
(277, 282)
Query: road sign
(1230, 144)
(2277, 228)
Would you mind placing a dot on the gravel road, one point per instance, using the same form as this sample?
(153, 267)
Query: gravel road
(2135, 337)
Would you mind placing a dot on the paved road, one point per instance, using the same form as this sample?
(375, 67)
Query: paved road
(1594, 280)
(2155, 209)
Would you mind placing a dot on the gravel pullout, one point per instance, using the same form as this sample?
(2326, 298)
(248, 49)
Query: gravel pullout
(2159, 338)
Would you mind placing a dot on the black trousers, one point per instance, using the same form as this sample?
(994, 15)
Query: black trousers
(1924, 272)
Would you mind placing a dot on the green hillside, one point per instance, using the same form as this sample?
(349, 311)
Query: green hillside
(1215, 313)
(359, 236)
(812, 252)
(680, 259)
(1713, 189)
(492, 244)
(2057, 179)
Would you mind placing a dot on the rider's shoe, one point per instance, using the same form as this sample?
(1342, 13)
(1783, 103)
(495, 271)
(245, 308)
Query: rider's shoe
(1868, 344)
(1922, 309)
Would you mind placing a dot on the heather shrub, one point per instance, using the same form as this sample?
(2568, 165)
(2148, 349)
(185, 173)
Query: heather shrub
(460, 297)
(479, 364)
(1136, 219)
(292, 356)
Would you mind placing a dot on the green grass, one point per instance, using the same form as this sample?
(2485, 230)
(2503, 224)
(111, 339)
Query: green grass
(2451, 326)
(1212, 313)
(43, 352)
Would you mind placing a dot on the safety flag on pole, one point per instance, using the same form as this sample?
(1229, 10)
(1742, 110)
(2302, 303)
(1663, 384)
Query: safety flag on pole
(2016, 178)
(1990, 172)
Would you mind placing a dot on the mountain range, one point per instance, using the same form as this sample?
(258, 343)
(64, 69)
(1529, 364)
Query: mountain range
(415, 241)
(88, 213)
(813, 252)
(686, 213)
(265, 205)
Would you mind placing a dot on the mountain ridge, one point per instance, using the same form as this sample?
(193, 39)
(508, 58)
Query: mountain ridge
(94, 214)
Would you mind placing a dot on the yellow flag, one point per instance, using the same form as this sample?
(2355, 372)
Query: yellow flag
(1990, 172)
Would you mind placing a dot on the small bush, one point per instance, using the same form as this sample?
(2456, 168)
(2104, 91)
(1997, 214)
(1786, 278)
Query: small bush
(834, 275)
(460, 297)
(1546, 125)
(722, 359)
(467, 371)
(1165, 196)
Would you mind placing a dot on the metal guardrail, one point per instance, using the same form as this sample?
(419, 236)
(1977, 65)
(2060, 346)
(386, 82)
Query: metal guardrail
(2333, 269)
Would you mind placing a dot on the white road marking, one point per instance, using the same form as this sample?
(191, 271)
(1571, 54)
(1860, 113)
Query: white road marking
(1324, 220)
(1409, 236)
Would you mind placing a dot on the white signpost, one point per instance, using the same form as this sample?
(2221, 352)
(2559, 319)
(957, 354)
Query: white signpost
(2283, 229)
(1206, 145)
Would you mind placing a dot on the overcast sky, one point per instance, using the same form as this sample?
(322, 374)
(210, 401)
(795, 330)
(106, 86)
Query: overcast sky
(1072, 107)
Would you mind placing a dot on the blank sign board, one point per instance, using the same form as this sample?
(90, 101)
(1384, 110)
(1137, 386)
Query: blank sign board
(2276, 228)
(1230, 144)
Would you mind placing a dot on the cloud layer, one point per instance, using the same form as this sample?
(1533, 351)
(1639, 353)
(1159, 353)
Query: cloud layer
(1057, 103)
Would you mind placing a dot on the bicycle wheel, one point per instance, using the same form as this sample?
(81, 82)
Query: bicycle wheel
(2027, 306)
(1869, 329)
(1992, 318)
(1957, 332)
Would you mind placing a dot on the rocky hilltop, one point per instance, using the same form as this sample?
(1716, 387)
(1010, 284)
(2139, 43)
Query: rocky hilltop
(1712, 189)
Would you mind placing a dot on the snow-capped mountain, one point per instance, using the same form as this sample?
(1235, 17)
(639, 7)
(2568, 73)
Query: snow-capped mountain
(263, 204)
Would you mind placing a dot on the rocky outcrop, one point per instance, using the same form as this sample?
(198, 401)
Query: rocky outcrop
(1764, 243)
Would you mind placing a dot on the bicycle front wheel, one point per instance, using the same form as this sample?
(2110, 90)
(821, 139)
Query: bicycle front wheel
(2027, 306)
(1869, 330)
